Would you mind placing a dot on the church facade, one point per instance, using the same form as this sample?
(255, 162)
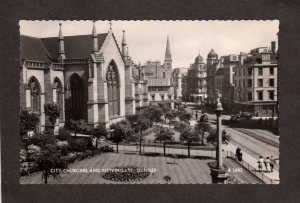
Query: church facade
(89, 76)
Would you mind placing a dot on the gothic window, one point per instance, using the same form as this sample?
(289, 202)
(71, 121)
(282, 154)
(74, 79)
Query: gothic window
(35, 94)
(113, 90)
(76, 100)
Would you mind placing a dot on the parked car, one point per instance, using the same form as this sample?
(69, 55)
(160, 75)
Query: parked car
(246, 115)
(234, 118)
(204, 118)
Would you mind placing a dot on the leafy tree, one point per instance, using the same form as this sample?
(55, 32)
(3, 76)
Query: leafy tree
(28, 121)
(163, 134)
(77, 126)
(153, 113)
(42, 139)
(50, 163)
(184, 115)
(119, 133)
(189, 135)
(165, 110)
(52, 110)
(171, 116)
(202, 128)
(98, 132)
(213, 138)
(181, 126)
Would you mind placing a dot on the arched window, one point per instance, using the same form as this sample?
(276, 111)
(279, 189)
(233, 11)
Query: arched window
(113, 90)
(35, 94)
(59, 93)
(75, 103)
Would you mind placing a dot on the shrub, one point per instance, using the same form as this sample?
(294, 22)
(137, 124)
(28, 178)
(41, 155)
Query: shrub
(78, 145)
(41, 139)
(64, 135)
(28, 121)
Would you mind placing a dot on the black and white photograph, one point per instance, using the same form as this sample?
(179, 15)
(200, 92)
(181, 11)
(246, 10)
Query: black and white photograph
(149, 102)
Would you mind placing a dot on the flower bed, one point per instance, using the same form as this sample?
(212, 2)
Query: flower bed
(126, 174)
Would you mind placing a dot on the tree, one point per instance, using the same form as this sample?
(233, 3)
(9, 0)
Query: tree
(184, 115)
(164, 134)
(153, 113)
(119, 133)
(52, 110)
(189, 135)
(98, 132)
(171, 116)
(28, 121)
(181, 126)
(50, 163)
(213, 138)
(77, 126)
(202, 128)
(165, 110)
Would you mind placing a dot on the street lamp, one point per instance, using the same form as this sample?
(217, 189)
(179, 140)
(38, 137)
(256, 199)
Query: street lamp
(218, 174)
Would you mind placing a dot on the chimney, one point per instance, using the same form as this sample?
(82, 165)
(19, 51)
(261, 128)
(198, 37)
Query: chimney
(273, 47)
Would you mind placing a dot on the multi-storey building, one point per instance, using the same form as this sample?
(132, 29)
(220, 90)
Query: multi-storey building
(213, 64)
(228, 62)
(87, 75)
(160, 82)
(256, 82)
(196, 81)
(179, 80)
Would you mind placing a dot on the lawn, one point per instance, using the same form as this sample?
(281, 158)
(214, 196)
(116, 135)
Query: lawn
(186, 171)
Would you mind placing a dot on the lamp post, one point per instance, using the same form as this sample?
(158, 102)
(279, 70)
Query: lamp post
(218, 174)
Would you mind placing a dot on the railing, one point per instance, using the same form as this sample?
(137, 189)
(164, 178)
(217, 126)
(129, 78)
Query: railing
(252, 169)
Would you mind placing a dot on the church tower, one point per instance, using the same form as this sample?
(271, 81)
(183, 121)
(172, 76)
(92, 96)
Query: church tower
(168, 56)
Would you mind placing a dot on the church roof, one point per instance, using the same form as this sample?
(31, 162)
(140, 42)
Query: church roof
(46, 49)
(76, 47)
(32, 48)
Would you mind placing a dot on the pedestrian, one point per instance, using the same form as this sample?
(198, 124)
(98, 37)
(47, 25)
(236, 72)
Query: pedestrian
(238, 151)
(260, 162)
(267, 163)
(272, 163)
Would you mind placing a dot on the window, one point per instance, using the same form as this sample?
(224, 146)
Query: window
(260, 95)
(271, 95)
(249, 71)
(244, 84)
(260, 82)
(271, 70)
(162, 97)
(240, 72)
(271, 82)
(249, 82)
(35, 93)
(260, 71)
(153, 97)
(164, 74)
(249, 96)
(113, 89)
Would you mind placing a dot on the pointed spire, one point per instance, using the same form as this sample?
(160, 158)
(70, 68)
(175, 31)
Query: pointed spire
(60, 34)
(61, 44)
(94, 32)
(94, 38)
(123, 39)
(168, 56)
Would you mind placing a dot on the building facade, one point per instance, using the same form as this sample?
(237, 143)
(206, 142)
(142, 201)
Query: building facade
(87, 75)
(160, 81)
(179, 81)
(256, 80)
(196, 81)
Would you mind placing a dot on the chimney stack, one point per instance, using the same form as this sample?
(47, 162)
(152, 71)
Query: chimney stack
(273, 47)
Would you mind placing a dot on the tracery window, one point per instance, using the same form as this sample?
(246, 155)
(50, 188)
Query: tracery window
(113, 91)
(35, 94)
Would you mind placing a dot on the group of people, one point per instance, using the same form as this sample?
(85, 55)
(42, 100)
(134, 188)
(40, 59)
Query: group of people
(269, 163)
(239, 154)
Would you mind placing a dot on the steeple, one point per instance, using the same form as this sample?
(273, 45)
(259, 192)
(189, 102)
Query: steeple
(168, 56)
(94, 38)
(124, 45)
(61, 44)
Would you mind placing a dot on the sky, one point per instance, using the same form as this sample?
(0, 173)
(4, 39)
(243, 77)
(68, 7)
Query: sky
(147, 39)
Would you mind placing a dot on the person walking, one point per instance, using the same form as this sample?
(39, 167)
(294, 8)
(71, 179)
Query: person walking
(267, 163)
(272, 163)
(260, 162)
